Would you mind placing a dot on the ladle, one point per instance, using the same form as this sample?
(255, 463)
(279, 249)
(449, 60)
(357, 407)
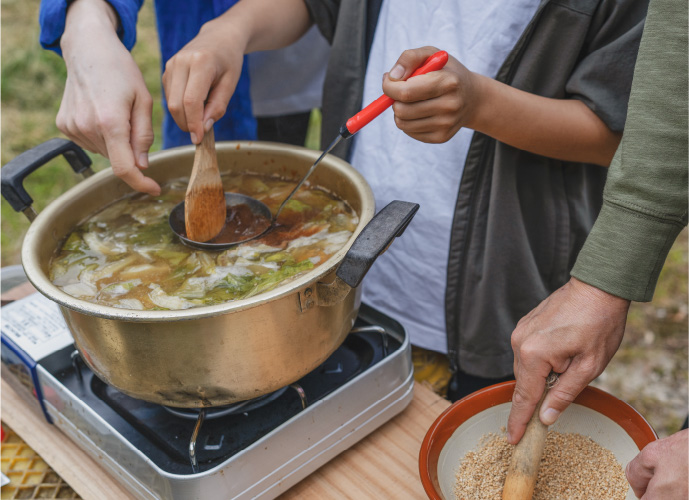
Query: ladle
(265, 220)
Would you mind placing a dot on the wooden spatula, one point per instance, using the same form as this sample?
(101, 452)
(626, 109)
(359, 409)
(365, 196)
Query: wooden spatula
(204, 203)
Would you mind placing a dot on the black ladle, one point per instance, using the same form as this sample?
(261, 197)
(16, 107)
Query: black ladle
(258, 209)
(434, 63)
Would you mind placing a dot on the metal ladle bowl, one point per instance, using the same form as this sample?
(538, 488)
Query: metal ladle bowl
(258, 209)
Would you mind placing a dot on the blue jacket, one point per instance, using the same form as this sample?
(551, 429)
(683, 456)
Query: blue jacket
(178, 22)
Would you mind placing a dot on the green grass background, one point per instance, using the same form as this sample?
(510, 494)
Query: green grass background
(653, 354)
(32, 84)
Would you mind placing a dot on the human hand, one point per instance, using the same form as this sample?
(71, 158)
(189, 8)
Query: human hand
(433, 107)
(200, 79)
(660, 471)
(574, 332)
(106, 107)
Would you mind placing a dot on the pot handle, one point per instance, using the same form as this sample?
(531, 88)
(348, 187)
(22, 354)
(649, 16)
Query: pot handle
(14, 172)
(375, 238)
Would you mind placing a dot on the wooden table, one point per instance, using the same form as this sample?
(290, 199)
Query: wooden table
(382, 465)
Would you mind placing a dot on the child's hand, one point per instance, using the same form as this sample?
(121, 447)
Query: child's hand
(206, 70)
(432, 107)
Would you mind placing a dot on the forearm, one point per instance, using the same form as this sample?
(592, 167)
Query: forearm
(565, 129)
(263, 24)
(87, 21)
(645, 198)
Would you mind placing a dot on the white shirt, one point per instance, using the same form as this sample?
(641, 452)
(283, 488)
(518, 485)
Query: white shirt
(408, 281)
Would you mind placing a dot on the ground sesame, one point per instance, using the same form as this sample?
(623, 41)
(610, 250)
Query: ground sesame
(573, 467)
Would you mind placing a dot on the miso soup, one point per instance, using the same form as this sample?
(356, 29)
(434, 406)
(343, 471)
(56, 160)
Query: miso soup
(127, 256)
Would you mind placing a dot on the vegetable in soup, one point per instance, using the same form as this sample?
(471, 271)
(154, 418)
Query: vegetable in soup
(127, 256)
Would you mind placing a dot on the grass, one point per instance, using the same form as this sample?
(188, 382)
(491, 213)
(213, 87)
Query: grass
(32, 84)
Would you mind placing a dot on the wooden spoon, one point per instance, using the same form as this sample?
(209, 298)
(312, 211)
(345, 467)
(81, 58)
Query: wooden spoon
(526, 456)
(204, 203)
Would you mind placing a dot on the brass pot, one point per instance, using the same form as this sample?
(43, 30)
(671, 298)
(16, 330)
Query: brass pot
(221, 354)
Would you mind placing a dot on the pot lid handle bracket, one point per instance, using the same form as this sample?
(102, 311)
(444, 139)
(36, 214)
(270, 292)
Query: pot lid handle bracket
(15, 171)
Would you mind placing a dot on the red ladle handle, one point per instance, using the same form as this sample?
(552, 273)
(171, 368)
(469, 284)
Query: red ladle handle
(358, 121)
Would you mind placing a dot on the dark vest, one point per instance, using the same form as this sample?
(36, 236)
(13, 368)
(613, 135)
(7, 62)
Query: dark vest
(520, 218)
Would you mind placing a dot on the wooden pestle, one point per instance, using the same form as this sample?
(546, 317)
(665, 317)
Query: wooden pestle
(526, 456)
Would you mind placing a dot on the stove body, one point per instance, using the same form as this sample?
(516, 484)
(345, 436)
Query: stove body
(258, 453)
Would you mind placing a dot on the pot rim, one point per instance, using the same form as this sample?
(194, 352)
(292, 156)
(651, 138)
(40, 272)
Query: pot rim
(41, 226)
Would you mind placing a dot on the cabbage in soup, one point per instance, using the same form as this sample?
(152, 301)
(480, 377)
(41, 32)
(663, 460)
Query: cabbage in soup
(127, 256)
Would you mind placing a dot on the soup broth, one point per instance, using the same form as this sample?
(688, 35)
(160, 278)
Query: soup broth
(127, 256)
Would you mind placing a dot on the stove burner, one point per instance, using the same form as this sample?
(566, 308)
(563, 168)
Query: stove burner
(221, 411)
(226, 431)
(254, 449)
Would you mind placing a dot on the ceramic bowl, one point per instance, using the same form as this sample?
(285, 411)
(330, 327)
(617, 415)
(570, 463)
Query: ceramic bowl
(609, 421)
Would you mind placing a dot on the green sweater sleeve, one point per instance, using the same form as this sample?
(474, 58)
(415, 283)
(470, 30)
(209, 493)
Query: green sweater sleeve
(645, 197)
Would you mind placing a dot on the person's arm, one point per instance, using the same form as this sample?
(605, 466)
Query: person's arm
(434, 107)
(207, 69)
(644, 209)
(106, 107)
(661, 470)
(53, 13)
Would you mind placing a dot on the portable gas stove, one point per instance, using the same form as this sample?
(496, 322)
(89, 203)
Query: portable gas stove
(253, 449)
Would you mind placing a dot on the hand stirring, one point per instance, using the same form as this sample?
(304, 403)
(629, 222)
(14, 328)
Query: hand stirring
(434, 63)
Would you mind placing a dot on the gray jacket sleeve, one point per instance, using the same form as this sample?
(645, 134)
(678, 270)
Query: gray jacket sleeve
(645, 198)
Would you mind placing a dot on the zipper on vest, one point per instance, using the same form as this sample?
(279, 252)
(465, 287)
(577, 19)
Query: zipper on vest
(509, 69)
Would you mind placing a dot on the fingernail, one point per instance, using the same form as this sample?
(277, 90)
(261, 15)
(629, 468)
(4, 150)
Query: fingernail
(549, 416)
(209, 124)
(509, 437)
(397, 72)
(194, 139)
(143, 160)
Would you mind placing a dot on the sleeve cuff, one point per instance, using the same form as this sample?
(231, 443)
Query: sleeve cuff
(625, 252)
(52, 17)
(128, 12)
